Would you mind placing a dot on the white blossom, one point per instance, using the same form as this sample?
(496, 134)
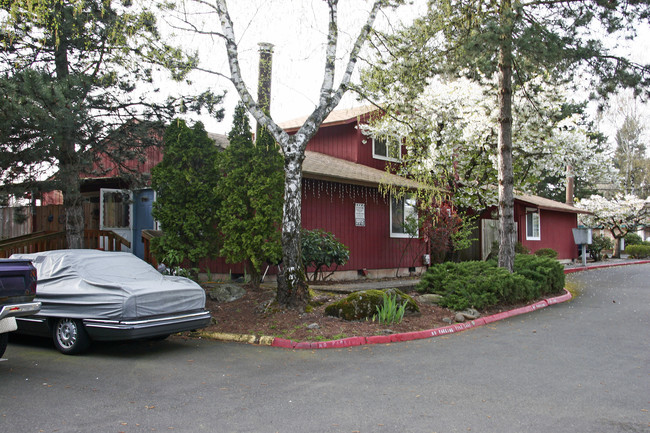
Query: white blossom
(452, 129)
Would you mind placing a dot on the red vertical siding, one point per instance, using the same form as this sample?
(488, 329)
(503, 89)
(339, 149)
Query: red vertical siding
(153, 156)
(331, 206)
(346, 142)
(555, 231)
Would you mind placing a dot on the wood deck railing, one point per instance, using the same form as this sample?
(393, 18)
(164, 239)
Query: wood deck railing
(147, 235)
(45, 241)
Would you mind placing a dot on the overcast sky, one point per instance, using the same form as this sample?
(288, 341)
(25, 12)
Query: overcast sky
(297, 29)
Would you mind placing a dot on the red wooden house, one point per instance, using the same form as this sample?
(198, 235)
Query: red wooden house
(342, 172)
(541, 222)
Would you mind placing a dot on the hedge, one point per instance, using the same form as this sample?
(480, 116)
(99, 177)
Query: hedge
(480, 284)
(638, 251)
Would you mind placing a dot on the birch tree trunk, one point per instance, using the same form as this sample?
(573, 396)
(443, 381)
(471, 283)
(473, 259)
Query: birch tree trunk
(292, 283)
(505, 173)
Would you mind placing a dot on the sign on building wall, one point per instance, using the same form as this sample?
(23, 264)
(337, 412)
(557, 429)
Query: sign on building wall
(360, 214)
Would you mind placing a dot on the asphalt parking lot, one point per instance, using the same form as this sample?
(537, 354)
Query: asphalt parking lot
(580, 366)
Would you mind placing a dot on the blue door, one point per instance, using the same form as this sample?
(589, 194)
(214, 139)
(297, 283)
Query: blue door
(143, 220)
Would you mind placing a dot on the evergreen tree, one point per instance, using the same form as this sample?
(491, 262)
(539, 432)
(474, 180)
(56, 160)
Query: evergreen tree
(185, 204)
(69, 71)
(250, 191)
(506, 43)
(630, 157)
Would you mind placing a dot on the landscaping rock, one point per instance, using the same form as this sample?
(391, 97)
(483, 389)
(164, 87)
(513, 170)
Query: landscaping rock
(363, 305)
(429, 299)
(226, 292)
(448, 320)
(313, 326)
(459, 317)
(470, 314)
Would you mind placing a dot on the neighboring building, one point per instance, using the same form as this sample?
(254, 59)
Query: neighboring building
(540, 223)
(111, 202)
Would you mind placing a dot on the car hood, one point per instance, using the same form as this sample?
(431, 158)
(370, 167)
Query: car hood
(108, 285)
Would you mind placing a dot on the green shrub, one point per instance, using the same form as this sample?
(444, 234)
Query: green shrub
(545, 273)
(632, 239)
(320, 249)
(598, 244)
(546, 252)
(521, 248)
(638, 251)
(494, 251)
(482, 284)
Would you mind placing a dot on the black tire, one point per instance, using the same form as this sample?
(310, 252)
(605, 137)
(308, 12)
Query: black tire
(70, 336)
(4, 339)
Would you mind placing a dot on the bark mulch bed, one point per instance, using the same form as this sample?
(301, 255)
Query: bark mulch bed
(256, 314)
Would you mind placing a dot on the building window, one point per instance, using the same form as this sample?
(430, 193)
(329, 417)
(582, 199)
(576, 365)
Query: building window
(116, 207)
(403, 217)
(387, 149)
(532, 225)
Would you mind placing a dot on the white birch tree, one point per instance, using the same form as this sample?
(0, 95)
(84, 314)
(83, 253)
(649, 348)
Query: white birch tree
(292, 286)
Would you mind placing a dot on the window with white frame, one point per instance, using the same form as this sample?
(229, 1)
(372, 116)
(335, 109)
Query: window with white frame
(116, 209)
(403, 217)
(532, 225)
(389, 149)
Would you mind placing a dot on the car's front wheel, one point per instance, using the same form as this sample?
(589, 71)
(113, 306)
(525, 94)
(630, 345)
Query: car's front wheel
(70, 337)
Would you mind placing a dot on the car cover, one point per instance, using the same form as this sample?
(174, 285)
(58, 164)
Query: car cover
(108, 285)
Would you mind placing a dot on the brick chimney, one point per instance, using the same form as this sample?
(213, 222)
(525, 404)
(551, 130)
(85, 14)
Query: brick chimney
(264, 79)
(569, 185)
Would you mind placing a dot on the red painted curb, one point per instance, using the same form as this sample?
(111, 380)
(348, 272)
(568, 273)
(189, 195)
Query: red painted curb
(418, 335)
(445, 330)
(281, 342)
(558, 299)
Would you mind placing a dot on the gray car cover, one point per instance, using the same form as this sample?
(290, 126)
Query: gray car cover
(92, 284)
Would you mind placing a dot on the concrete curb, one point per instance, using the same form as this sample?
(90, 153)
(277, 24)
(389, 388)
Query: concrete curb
(239, 338)
(605, 265)
(408, 336)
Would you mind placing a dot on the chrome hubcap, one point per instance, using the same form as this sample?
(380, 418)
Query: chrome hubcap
(66, 333)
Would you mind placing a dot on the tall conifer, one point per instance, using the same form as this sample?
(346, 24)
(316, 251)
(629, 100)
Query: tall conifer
(250, 191)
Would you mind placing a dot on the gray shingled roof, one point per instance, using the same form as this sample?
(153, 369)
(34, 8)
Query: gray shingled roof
(546, 203)
(324, 167)
(219, 139)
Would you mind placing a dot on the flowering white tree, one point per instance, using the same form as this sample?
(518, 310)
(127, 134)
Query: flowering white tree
(620, 215)
(451, 133)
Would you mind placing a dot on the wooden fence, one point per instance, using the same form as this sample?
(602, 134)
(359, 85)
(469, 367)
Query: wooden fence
(11, 226)
(45, 241)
